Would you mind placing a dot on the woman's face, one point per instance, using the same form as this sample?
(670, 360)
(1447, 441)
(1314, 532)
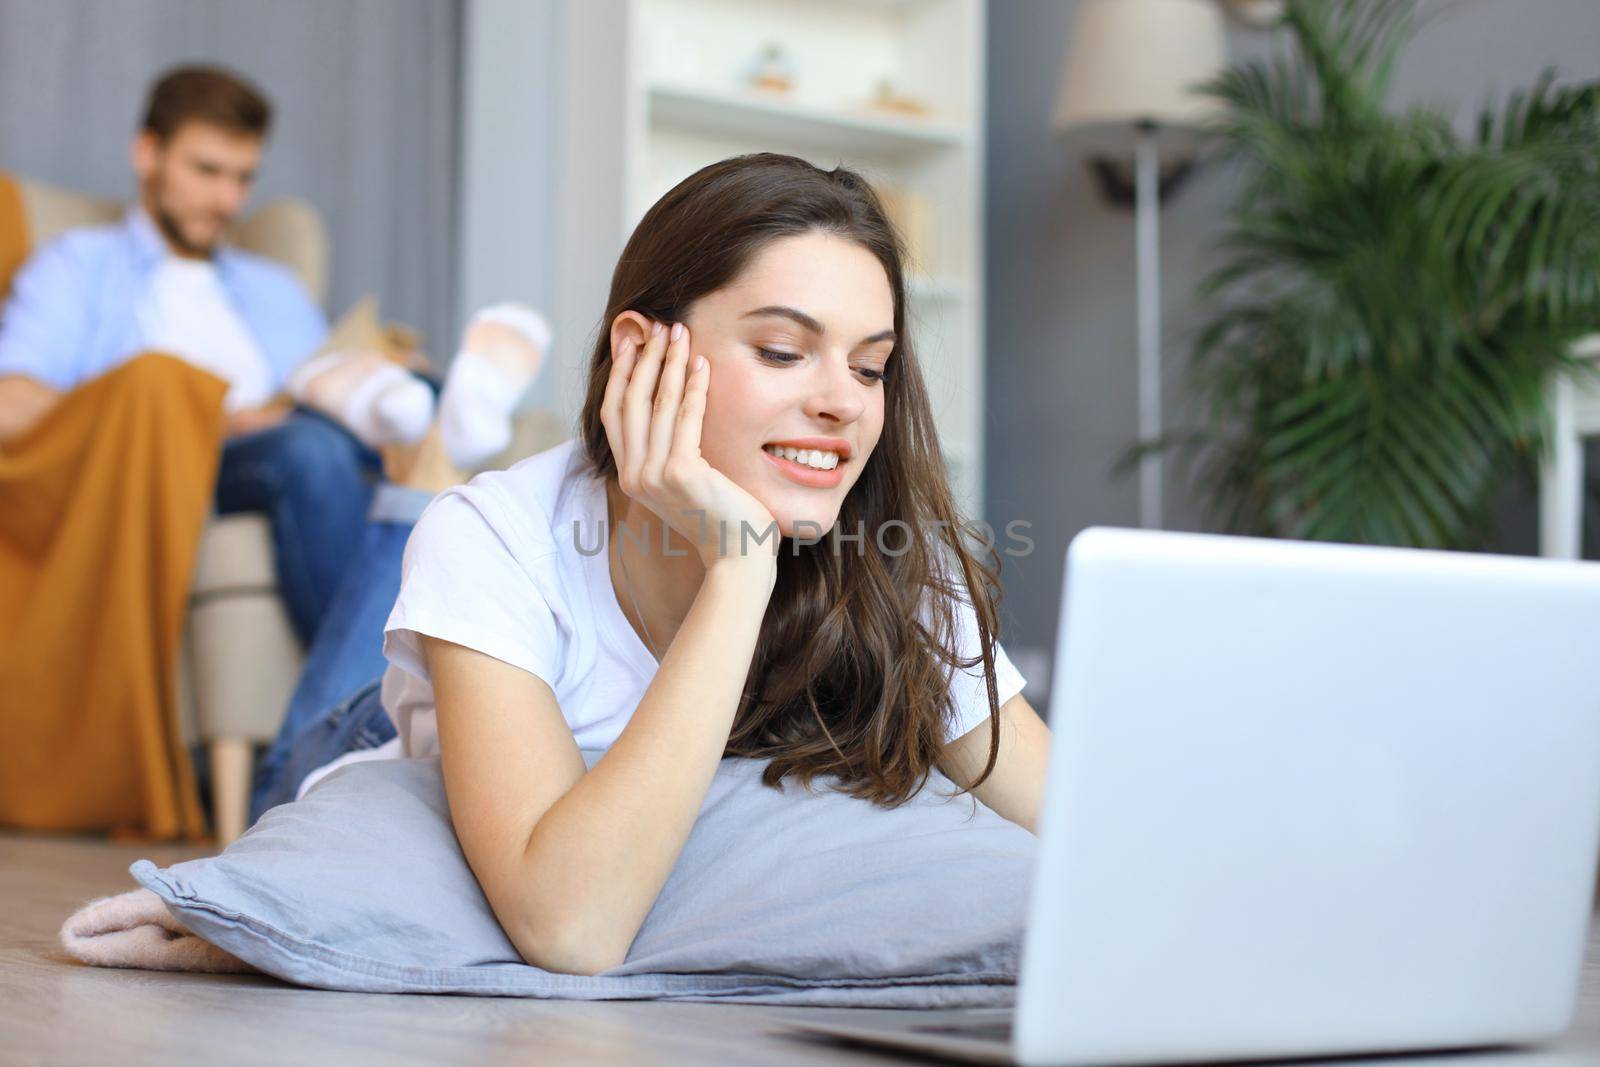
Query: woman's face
(796, 344)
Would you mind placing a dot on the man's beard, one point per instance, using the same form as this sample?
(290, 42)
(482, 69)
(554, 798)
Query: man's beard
(175, 235)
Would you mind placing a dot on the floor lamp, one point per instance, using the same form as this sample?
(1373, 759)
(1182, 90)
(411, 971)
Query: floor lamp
(1127, 89)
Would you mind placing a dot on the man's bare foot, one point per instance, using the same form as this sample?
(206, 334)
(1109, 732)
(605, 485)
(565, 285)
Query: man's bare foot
(511, 350)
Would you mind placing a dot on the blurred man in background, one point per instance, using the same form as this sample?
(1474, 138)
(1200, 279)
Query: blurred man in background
(142, 374)
(162, 280)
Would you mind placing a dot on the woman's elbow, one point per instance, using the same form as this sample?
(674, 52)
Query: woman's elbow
(564, 949)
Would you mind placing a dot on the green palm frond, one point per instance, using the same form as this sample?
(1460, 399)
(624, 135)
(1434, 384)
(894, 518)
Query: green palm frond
(1390, 298)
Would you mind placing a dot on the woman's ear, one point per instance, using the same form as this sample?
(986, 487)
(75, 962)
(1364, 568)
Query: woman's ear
(630, 325)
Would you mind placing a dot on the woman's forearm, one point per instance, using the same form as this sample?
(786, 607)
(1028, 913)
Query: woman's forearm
(597, 859)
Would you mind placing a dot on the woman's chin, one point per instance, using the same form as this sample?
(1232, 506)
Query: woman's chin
(806, 526)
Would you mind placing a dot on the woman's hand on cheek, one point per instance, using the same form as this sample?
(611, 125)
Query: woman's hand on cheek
(652, 412)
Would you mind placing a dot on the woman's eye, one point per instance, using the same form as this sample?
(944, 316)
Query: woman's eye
(786, 358)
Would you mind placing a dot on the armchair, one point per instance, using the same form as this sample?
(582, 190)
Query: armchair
(240, 656)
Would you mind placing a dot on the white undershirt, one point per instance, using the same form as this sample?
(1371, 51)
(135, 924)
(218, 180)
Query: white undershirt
(186, 312)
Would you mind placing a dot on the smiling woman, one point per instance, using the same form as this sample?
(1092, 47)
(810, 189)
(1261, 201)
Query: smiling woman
(790, 583)
(790, 282)
(804, 386)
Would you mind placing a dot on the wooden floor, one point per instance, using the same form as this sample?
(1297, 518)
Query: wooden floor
(57, 1011)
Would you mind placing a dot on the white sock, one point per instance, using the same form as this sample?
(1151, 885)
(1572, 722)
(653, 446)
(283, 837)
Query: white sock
(483, 388)
(401, 409)
(381, 405)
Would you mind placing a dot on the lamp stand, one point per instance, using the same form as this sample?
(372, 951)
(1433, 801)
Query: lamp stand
(1147, 246)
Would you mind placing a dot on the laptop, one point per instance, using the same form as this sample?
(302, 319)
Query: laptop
(1303, 799)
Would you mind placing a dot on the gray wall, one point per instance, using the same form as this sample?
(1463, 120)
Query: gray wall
(511, 75)
(365, 94)
(1060, 310)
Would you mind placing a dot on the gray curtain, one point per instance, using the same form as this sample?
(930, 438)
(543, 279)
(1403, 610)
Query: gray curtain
(365, 114)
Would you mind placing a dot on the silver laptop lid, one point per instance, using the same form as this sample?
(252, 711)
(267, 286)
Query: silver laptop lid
(1310, 798)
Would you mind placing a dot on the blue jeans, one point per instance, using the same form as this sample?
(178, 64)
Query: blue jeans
(358, 721)
(335, 706)
(314, 480)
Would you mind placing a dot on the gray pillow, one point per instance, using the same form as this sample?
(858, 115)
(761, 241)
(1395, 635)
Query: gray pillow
(777, 897)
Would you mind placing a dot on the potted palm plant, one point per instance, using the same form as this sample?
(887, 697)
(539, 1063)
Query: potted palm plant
(1392, 296)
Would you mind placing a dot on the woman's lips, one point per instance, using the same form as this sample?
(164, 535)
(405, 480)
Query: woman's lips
(804, 475)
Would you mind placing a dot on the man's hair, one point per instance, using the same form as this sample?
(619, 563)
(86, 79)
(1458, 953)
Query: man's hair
(206, 94)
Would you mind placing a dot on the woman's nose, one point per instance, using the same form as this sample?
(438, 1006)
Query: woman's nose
(835, 393)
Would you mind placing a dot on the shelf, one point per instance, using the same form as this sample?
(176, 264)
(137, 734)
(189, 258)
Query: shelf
(742, 115)
(678, 101)
(898, 6)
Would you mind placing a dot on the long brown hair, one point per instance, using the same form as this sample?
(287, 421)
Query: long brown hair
(847, 679)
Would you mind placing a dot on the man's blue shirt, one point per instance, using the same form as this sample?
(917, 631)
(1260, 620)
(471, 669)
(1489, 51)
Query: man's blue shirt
(71, 313)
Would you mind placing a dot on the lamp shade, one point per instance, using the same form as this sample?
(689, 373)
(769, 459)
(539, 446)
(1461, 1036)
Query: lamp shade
(1133, 62)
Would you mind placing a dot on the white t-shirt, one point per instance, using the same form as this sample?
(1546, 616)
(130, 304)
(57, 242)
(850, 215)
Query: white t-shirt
(186, 312)
(494, 565)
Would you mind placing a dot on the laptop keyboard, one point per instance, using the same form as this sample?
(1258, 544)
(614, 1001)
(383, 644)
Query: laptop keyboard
(999, 1030)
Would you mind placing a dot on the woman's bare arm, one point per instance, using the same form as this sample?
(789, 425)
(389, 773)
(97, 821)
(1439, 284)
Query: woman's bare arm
(1015, 789)
(572, 862)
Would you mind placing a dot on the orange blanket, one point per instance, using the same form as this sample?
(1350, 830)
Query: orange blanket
(13, 231)
(102, 505)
